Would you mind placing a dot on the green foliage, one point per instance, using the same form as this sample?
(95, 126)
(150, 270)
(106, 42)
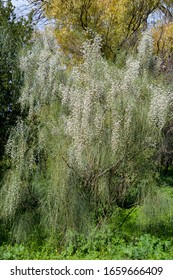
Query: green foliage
(28, 252)
(157, 211)
(141, 248)
(117, 237)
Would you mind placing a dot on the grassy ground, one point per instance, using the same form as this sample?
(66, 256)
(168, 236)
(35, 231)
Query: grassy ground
(144, 247)
(122, 236)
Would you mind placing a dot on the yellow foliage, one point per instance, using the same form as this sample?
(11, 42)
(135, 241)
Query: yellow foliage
(116, 21)
(163, 40)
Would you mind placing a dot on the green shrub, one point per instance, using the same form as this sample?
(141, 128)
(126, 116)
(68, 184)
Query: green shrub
(156, 213)
(87, 144)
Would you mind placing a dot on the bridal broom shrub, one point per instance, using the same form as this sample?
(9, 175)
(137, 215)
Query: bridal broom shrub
(87, 144)
(115, 118)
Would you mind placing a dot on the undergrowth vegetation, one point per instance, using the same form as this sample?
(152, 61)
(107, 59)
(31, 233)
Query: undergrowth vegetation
(85, 159)
(112, 240)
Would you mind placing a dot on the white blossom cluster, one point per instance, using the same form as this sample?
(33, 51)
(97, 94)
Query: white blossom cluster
(160, 99)
(91, 97)
(42, 65)
(145, 48)
(104, 100)
(130, 74)
(86, 97)
(16, 148)
(11, 200)
(16, 145)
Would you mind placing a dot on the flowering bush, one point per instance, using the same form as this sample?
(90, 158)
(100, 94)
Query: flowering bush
(88, 141)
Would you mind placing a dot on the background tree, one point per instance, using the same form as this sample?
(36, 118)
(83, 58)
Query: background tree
(118, 22)
(163, 37)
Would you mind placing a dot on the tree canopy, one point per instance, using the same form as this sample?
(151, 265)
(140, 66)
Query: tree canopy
(118, 22)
